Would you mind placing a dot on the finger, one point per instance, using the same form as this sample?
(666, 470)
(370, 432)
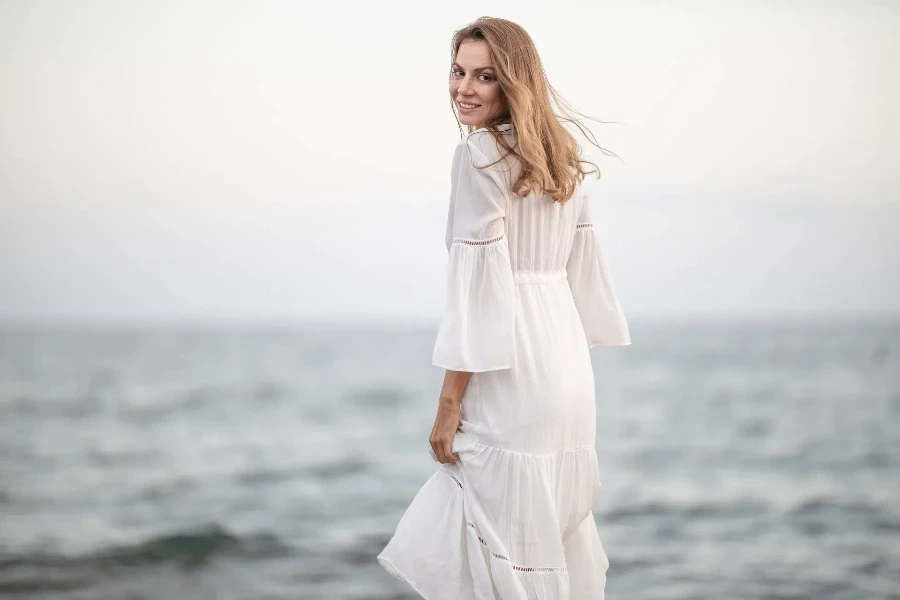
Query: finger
(448, 450)
(455, 455)
(434, 450)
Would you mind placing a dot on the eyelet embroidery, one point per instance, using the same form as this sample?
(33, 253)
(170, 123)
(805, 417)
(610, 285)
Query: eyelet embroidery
(478, 243)
(580, 225)
(500, 556)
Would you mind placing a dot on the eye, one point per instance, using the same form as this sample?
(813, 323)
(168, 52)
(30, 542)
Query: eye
(459, 73)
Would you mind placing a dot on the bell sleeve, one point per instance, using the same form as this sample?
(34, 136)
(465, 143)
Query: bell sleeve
(477, 329)
(592, 286)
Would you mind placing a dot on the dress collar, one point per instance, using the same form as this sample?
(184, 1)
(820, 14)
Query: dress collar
(500, 127)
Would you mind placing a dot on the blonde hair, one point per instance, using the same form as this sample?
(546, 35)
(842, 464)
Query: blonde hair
(549, 153)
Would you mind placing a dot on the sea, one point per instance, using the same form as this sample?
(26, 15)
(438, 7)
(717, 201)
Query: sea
(740, 458)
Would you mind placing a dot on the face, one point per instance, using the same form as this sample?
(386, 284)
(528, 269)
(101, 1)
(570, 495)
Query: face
(474, 88)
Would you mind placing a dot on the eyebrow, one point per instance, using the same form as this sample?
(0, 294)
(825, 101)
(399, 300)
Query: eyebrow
(456, 64)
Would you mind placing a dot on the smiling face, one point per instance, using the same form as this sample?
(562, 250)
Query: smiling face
(474, 88)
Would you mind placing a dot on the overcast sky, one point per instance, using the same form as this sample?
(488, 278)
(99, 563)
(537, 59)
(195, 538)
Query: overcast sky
(285, 160)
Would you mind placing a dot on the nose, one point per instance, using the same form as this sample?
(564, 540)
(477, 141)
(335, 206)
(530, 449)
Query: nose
(465, 87)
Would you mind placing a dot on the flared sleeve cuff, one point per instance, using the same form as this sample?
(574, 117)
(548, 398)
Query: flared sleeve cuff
(477, 330)
(592, 288)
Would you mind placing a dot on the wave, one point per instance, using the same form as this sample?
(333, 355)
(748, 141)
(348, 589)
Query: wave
(192, 548)
(326, 470)
(694, 511)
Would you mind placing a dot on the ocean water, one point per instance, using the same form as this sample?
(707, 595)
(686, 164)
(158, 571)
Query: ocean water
(739, 459)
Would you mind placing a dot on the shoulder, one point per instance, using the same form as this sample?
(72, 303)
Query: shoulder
(480, 148)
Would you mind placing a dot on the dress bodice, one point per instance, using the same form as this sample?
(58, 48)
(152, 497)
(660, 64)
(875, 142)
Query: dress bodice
(539, 232)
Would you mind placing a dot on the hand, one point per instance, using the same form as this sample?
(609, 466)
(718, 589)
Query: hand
(445, 425)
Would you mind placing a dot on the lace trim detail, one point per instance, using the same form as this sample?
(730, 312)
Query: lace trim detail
(580, 225)
(478, 243)
(495, 554)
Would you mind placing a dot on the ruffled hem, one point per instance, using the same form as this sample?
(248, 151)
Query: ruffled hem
(505, 525)
(390, 568)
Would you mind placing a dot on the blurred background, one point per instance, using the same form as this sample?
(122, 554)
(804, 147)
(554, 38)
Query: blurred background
(222, 270)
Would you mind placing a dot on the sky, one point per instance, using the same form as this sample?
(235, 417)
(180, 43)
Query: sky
(290, 161)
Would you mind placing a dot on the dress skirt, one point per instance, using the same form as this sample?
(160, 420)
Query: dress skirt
(512, 519)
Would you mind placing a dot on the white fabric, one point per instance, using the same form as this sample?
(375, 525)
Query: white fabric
(592, 288)
(477, 330)
(528, 294)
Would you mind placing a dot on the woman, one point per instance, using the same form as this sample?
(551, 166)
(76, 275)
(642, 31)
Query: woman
(507, 515)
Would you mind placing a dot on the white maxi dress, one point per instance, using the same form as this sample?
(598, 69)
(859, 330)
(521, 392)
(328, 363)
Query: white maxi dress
(528, 293)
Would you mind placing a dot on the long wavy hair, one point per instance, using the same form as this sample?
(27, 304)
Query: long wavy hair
(549, 153)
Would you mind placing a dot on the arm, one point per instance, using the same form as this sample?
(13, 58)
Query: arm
(478, 325)
(455, 383)
(446, 422)
(477, 329)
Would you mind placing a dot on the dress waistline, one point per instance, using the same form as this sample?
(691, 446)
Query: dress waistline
(538, 277)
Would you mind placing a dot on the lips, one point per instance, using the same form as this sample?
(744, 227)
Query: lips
(469, 107)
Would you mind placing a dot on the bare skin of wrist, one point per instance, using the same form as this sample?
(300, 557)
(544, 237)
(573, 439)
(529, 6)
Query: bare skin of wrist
(446, 422)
